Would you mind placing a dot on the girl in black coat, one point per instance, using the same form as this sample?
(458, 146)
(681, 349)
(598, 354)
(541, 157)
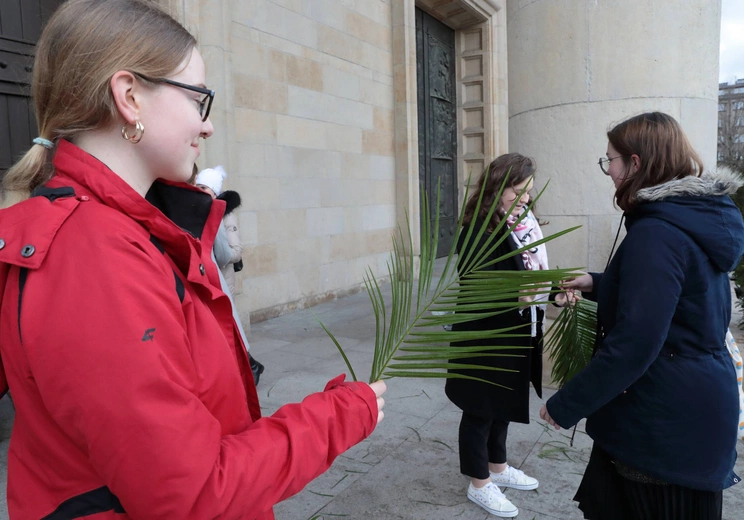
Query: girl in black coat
(488, 409)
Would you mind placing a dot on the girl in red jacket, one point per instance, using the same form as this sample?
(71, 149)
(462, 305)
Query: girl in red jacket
(133, 396)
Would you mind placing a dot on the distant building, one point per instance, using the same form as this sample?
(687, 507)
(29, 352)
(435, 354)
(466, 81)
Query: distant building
(731, 123)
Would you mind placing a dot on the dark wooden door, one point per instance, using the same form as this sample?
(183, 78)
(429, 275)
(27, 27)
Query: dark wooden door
(21, 22)
(437, 122)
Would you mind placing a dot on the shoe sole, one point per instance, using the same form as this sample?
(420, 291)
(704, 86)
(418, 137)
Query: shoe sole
(501, 514)
(528, 487)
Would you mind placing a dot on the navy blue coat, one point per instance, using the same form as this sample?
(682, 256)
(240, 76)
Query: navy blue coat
(660, 393)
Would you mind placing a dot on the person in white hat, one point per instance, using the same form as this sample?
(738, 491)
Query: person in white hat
(210, 180)
(228, 249)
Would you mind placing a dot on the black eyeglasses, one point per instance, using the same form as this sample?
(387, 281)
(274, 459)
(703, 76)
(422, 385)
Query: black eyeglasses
(205, 104)
(604, 163)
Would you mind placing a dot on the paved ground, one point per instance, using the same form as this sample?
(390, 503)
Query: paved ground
(408, 468)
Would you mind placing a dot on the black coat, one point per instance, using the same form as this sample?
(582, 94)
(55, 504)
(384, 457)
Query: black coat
(493, 401)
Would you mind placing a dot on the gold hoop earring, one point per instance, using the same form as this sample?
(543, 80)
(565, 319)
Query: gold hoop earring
(139, 131)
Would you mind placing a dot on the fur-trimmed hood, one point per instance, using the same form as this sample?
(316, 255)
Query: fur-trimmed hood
(724, 181)
(702, 208)
(232, 200)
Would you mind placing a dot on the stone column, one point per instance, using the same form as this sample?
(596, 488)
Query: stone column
(406, 120)
(575, 68)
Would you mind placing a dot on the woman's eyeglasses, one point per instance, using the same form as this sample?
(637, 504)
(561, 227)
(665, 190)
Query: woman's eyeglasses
(511, 193)
(604, 163)
(204, 104)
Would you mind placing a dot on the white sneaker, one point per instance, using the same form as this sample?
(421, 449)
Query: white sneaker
(490, 498)
(514, 478)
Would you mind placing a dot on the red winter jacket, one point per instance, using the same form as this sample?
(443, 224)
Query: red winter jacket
(133, 393)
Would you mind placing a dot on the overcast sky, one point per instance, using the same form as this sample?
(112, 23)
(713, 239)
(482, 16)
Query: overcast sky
(732, 40)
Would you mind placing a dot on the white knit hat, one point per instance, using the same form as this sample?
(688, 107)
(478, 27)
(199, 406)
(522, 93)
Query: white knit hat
(212, 178)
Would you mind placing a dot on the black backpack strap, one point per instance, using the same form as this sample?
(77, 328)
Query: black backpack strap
(22, 275)
(53, 193)
(99, 500)
(180, 289)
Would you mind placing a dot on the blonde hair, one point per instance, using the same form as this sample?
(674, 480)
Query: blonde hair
(84, 44)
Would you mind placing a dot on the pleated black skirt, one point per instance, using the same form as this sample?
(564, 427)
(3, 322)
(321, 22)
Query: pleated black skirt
(606, 495)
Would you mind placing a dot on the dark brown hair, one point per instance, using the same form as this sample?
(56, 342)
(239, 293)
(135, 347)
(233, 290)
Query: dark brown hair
(664, 151)
(519, 169)
(82, 46)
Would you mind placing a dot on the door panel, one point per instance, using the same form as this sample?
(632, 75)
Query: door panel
(11, 22)
(21, 23)
(5, 153)
(437, 124)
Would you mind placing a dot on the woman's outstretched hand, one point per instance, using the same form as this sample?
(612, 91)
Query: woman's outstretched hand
(584, 283)
(379, 388)
(545, 416)
(568, 297)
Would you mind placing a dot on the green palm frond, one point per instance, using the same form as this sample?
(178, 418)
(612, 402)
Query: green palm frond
(571, 340)
(410, 340)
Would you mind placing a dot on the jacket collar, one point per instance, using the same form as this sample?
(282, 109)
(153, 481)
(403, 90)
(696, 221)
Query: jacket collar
(175, 213)
(722, 181)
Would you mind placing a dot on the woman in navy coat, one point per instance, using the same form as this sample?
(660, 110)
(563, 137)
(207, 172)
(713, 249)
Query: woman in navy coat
(660, 395)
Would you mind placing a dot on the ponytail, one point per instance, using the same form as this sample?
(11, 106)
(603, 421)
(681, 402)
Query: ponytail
(31, 171)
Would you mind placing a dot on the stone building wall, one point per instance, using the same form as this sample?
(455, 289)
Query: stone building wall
(304, 126)
(316, 118)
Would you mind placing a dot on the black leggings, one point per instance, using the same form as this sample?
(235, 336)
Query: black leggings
(481, 441)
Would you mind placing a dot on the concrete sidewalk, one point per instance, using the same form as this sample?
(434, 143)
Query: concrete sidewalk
(408, 468)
